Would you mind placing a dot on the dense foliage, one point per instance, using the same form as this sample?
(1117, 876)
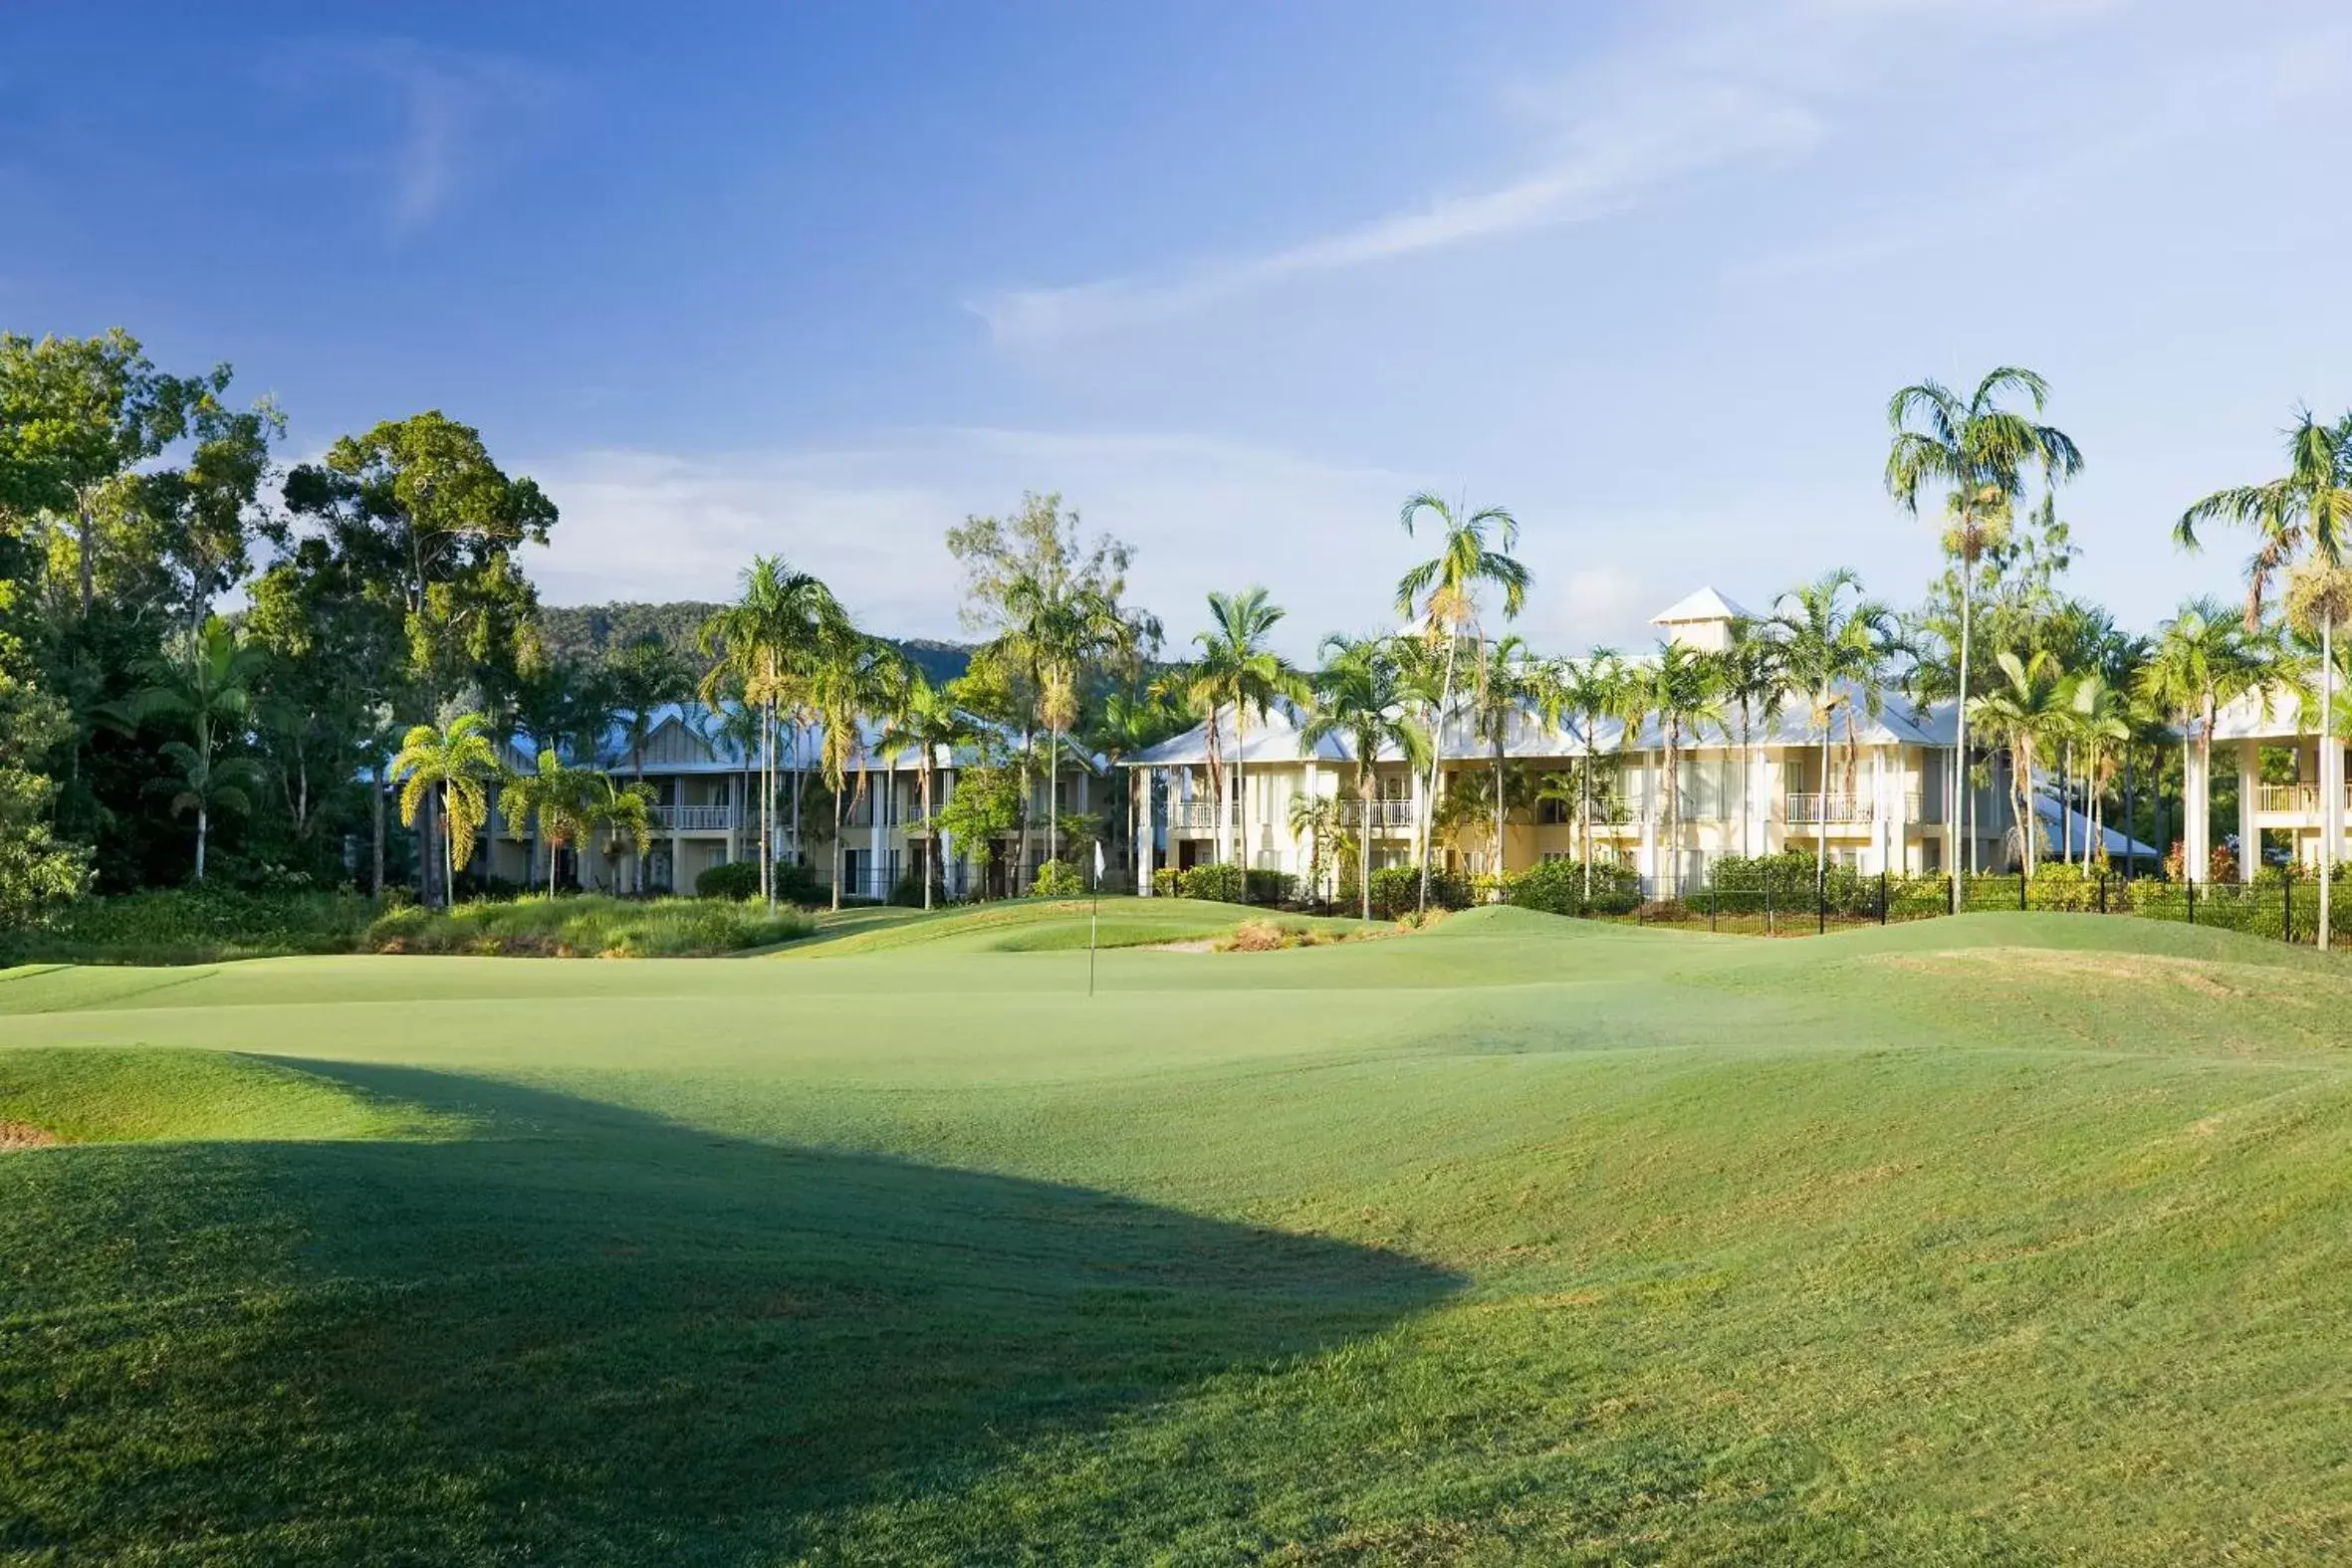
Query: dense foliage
(585, 926)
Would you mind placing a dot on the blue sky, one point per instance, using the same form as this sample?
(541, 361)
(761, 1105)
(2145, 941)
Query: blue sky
(1233, 278)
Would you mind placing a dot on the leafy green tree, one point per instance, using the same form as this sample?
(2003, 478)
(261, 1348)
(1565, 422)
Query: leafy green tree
(1360, 698)
(1474, 554)
(1833, 649)
(457, 762)
(1315, 818)
(2029, 709)
(1982, 454)
(207, 683)
(624, 814)
(849, 678)
(1237, 668)
(36, 869)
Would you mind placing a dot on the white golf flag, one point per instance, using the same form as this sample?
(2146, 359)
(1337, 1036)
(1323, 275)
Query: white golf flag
(1099, 862)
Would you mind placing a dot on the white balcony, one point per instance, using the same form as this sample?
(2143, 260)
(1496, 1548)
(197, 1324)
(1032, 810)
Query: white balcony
(1384, 813)
(696, 819)
(1200, 815)
(1809, 809)
(2292, 799)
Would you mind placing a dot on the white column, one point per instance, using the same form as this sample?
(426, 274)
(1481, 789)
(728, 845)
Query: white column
(875, 803)
(1139, 817)
(1649, 817)
(2249, 780)
(2195, 810)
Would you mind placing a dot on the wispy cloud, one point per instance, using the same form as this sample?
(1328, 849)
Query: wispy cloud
(460, 119)
(1716, 85)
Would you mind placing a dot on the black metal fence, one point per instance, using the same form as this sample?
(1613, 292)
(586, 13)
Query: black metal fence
(2280, 904)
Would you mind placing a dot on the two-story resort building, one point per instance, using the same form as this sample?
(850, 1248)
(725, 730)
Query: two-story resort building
(705, 783)
(2284, 819)
(1881, 800)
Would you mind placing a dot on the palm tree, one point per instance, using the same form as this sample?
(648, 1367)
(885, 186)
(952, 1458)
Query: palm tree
(2305, 514)
(1361, 697)
(1058, 629)
(923, 719)
(556, 800)
(2028, 708)
(1510, 680)
(457, 762)
(1981, 452)
(1238, 669)
(639, 681)
(1680, 689)
(847, 678)
(1442, 593)
(1755, 684)
(2098, 723)
(2203, 658)
(1832, 649)
(623, 810)
(1316, 818)
(761, 646)
(1593, 689)
(208, 684)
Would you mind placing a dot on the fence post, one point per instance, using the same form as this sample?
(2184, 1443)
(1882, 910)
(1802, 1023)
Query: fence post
(1769, 905)
(1821, 906)
(1711, 905)
(1882, 895)
(2102, 892)
(2286, 903)
(2192, 881)
(2021, 905)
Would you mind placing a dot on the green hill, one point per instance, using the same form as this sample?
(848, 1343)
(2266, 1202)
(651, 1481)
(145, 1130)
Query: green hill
(1995, 1239)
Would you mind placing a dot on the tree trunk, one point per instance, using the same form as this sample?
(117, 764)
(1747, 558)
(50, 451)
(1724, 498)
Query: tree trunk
(1241, 797)
(1364, 790)
(1821, 812)
(86, 540)
(931, 830)
(837, 842)
(1437, 752)
(203, 826)
(375, 884)
(2331, 796)
(1496, 868)
(1956, 820)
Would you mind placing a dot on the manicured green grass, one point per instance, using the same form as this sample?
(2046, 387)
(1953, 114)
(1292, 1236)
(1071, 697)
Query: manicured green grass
(1058, 925)
(1999, 1240)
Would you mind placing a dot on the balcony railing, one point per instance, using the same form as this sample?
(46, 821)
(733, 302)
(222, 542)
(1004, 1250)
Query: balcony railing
(1200, 813)
(1807, 809)
(696, 819)
(1384, 813)
(2292, 799)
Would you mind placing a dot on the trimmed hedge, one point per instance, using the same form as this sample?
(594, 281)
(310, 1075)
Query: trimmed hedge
(737, 879)
(1396, 890)
(1557, 887)
(587, 924)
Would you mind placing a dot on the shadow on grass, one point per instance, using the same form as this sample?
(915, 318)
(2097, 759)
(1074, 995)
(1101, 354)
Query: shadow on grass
(588, 1334)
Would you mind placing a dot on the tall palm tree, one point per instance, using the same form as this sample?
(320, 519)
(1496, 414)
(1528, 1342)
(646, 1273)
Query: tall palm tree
(556, 800)
(1755, 684)
(1833, 648)
(1593, 689)
(1474, 554)
(1680, 688)
(1509, 681)
(207, 683)
(2099, 725)
(762, 647)
(2303, 514)
(2031, 709)
(1361, 697)
(457, 763)
(921, 718)
(1981, 452)
(625, 812)
(1058, 629)
(639, 680)
(2203, 658)
(847, 678)
(1238, 669)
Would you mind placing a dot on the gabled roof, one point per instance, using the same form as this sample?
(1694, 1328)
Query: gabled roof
(797, 748)
(1706, 604)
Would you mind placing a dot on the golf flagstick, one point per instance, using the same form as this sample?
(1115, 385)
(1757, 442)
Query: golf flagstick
(1095, 918)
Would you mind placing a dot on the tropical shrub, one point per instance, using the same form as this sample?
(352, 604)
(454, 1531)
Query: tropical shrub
(1163, 881)
(1397, 889)
(589, 925)
(1055, 879)
(1557, 887)
(1217, 883)
(736, 879)
(200, 924)
(1272, 887)
(798, 884)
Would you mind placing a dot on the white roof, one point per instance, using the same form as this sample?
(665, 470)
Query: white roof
(1706, 604)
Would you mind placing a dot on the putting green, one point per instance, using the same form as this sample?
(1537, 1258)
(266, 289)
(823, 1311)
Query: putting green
(2006, 1238)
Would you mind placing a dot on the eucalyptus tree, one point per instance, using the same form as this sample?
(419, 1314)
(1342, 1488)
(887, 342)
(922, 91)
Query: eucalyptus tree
(1361, 697)
(1474, 554)
(206, 684)
(762, 647)
(2203, 657)
(1237, 668)
(1981, 452)
(1755, 684)
(1834, 643)
(455, 762)
(924, 719)
(2300, 521)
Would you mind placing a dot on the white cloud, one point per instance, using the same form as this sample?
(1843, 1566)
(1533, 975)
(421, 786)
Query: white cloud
(1606, 605)
(463, 118)
(1203, 515)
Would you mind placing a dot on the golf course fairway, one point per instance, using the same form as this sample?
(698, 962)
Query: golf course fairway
(2003, 1238)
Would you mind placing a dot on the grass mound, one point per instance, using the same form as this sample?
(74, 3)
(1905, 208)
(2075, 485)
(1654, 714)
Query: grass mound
(107, 1095)
(1054, 926)
(587, 924)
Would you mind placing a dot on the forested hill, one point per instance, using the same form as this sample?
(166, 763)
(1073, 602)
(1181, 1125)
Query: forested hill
(588, 632)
